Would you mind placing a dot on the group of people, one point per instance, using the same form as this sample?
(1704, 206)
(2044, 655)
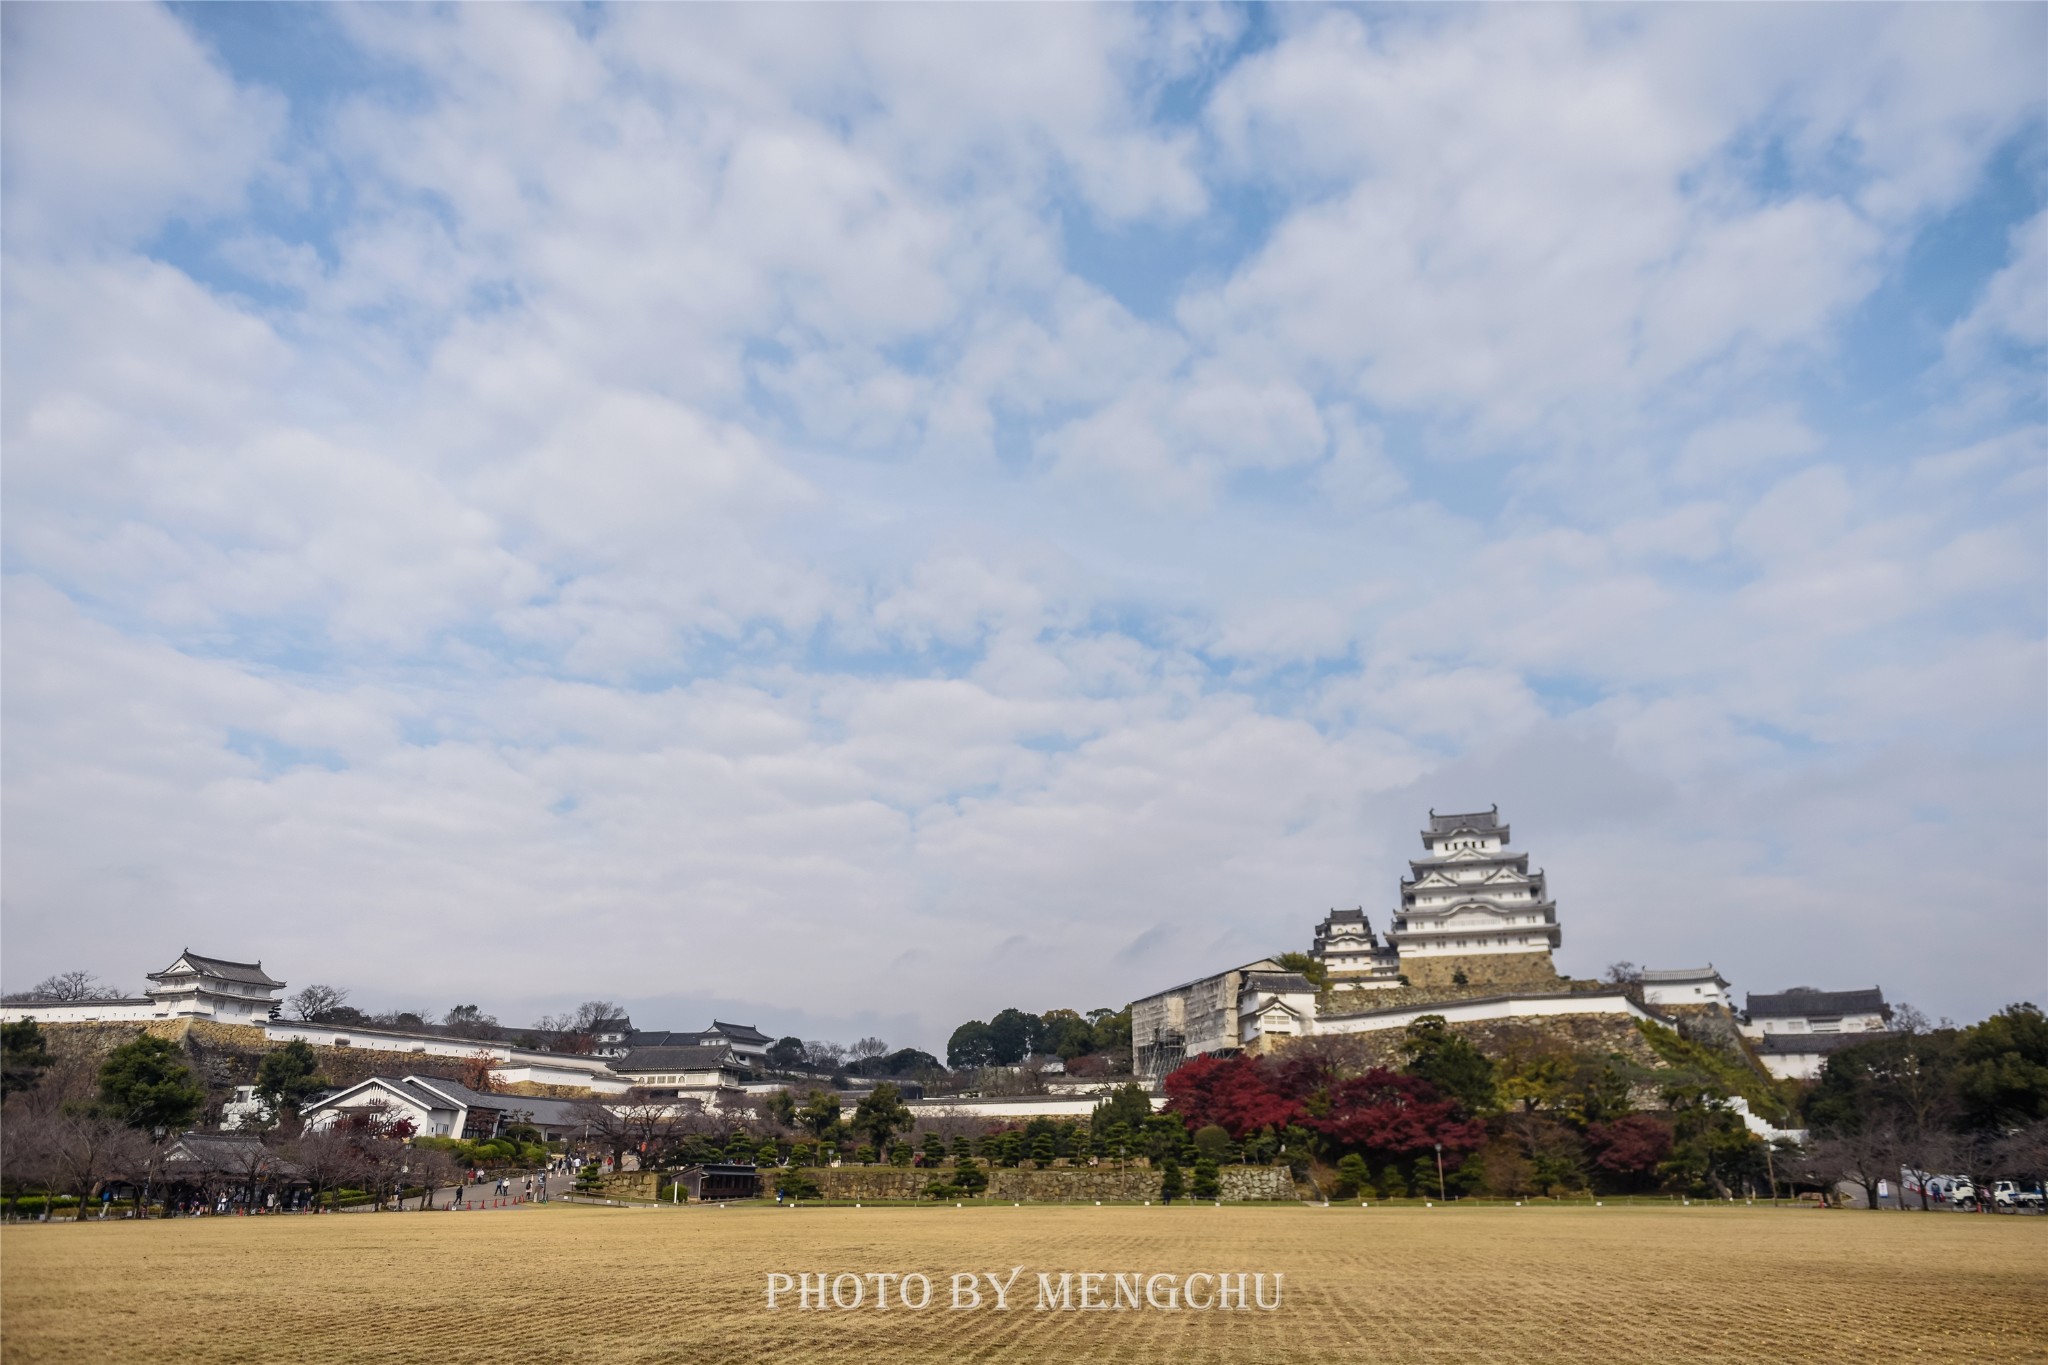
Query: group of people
(534, 1190)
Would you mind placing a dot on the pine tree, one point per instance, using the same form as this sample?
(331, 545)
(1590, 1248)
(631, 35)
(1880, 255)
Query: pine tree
(1208, 1185)
(1170, 1186)
(590, 1180)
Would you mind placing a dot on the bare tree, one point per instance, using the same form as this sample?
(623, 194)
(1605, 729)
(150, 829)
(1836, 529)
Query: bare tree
(1908, 1019)
(71, 986)
(68, 1140)
(89, 1147)
(326, 1158)
(27, 1156)
(635, 1122)
(555, 1033)
(377, 1137)
(824, 1055)
(469, 1021)
(478, 1075)
(432, 1168)
(315, 1003)
(867, 1048)
(1862, 1159)
(592, 1013)
(2023, 1153)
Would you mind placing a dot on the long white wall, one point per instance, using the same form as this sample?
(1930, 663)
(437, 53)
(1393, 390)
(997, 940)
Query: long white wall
(1485, 1010)
(85, 1012)
(513, 1063)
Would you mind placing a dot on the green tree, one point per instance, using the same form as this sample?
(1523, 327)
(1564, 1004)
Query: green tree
(1351, 1176)
(146, 1084)
(934, 1149)
(781, 1107)
(1213, 1142)
(864, 1155)
(1129, 1105)
(1067, 1034)
(1170, 1186)
(1208, 1183)
(2003, 1079)
(24, 1057)
(787, 1052)
(969, 1176)
(963, 1147)
(900, 1154)
(1013, 1036)
(880, 1115)
(819, 1115)
(1112, 1032)
(590, 1180)
(971, 1045)
(796, 1183)
(288, 1076)
(1455, 1067)
(1044, 1149)
(1317, 973)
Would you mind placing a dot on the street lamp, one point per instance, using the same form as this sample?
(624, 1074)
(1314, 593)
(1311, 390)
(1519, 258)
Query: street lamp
(1440, 1173)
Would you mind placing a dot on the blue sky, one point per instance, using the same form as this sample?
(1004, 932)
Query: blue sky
(858, 517)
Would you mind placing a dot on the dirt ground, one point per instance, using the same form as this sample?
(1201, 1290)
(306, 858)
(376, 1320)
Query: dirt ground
(564, 1283)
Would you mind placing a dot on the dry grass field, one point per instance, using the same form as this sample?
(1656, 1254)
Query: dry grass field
(562, 1283)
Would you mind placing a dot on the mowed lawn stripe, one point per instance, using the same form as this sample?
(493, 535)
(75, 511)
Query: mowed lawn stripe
(1394, 1284)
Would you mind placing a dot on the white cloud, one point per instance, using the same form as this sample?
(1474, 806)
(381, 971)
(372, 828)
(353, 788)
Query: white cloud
(117, 119)
(667, 481)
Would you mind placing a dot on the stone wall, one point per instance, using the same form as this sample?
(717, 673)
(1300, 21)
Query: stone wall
(224, 1056)
(1710, 1024)
(1598, 1034)
(1497, 971)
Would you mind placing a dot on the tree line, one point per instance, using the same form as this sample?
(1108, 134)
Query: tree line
(76, 1124)
(1015, 1035)
(1935, 1099)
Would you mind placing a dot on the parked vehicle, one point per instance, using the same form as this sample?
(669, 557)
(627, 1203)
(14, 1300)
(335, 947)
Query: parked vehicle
(2005, 1194)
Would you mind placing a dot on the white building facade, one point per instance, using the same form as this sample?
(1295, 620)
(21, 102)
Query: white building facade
(1471, 895)
(1352, 953)
(1795, 1031)
(192, 987)
(1685, 986)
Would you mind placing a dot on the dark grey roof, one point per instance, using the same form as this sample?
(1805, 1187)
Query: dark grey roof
(1803, 1002)
(1683, 974)
(642, 1059)
(221, 968)
(225, 1152)
(1475, 820)
(1784, 1044)
(640, 1038)
(740, 1033)
(402, 1085)
(1278, 981)
(541, 1109)
(1260, 965)
(1355, 916)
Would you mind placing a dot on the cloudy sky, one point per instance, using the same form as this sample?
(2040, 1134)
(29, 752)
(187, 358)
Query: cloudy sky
(854, 518)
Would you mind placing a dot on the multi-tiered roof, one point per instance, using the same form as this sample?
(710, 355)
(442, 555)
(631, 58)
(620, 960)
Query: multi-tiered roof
(1470, 893)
